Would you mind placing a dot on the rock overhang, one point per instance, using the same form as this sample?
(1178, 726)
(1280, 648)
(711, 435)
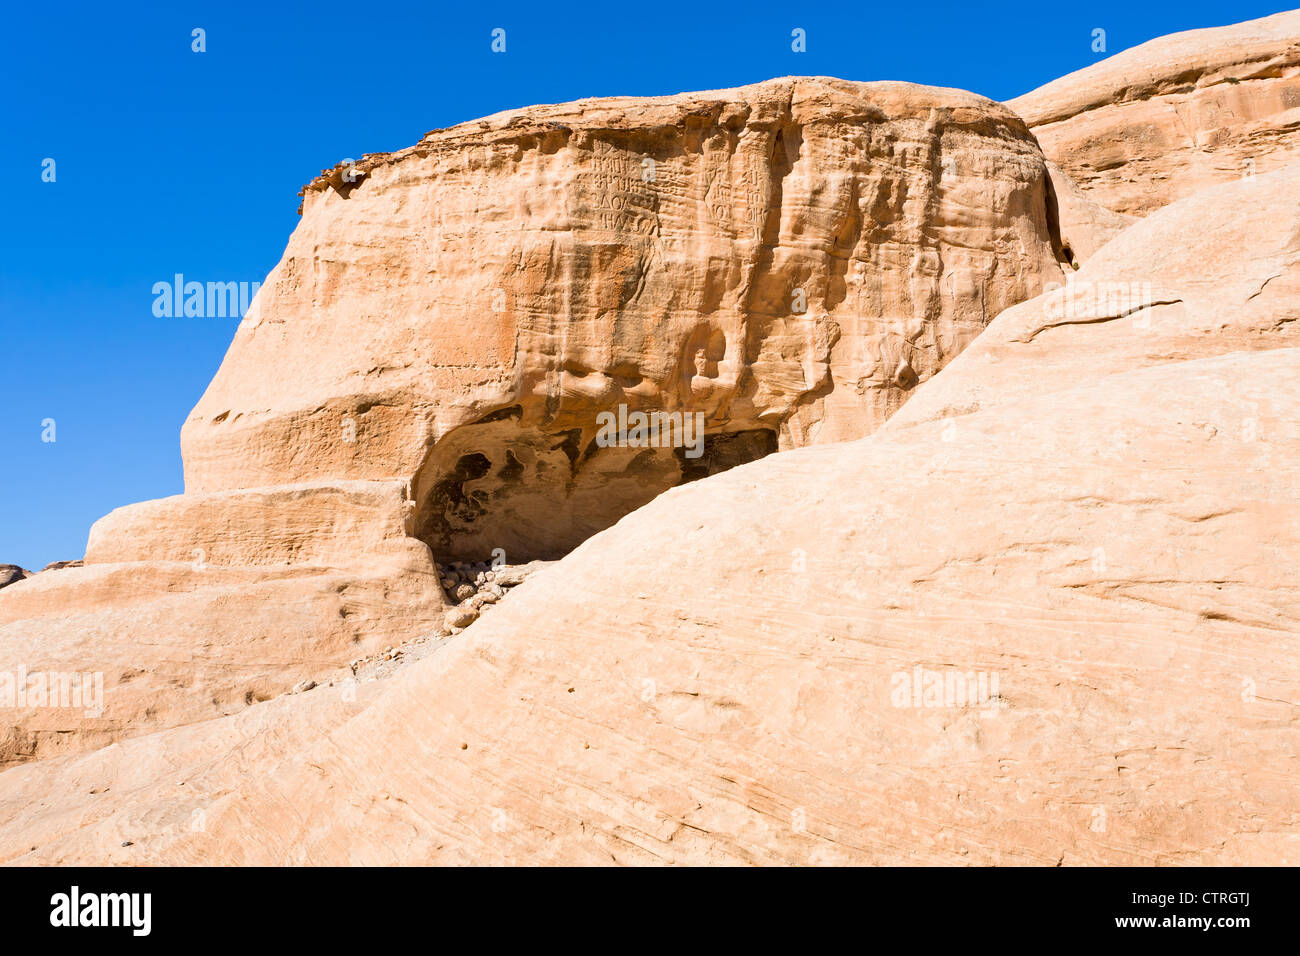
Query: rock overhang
(788, 259)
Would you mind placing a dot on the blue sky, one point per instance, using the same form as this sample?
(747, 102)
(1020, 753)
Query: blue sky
(170, 161)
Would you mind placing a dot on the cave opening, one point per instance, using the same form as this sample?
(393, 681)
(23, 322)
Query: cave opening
(496, 489)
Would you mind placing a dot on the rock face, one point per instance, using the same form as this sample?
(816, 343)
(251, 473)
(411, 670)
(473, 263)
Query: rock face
(9, 573)
(1084, 226)
(1158, 122)
(422, 377)
(1045, 615)
(785, 260)
(60, 565)
(1146, 300)
(174, 643)
(197, 606)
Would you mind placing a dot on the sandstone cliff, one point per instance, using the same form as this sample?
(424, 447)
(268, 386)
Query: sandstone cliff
(1021, 598)
(1159, 121)
(787, 260)
(1089, 516)
(421, 377)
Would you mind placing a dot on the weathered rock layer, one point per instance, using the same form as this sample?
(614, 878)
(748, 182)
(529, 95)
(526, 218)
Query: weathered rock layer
(786, 261)
(1047, 615)
(1162, 120)
(421, 378)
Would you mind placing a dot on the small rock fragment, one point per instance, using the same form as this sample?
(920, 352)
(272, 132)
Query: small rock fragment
(462, 616)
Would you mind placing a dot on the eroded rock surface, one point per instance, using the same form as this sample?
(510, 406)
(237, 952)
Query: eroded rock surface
(421, 378)
(1047, 614)
(1083, 224)
(9, 573)
(786, 260)
(1169, 117)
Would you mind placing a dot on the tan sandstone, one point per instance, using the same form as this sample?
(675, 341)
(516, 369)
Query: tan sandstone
(1093, 508)
(788, 260)
(420, 377)
(1084, 225)
(1164, 119)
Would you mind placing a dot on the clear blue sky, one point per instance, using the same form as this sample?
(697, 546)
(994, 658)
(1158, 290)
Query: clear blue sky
(172, 161)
